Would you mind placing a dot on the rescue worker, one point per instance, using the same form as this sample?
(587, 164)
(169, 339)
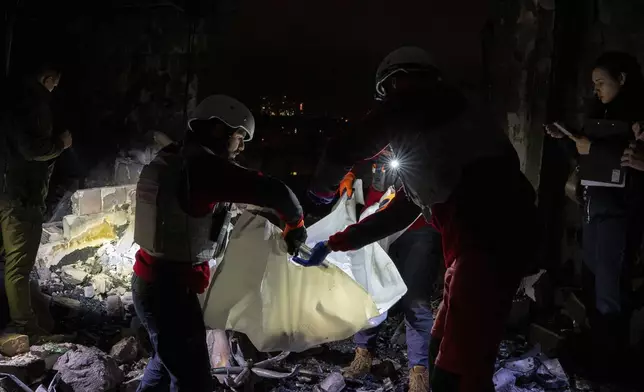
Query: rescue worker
(460, 170)
(416, 253)
(28, 149)
(182, 196)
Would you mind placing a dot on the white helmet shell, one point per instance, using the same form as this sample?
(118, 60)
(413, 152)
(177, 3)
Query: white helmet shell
(226, 109)
(405, 59)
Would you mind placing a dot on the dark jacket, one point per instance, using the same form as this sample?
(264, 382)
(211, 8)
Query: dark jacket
(436, 137)
(605, 202)
(28, 147)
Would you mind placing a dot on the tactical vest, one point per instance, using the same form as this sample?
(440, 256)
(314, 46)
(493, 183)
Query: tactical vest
(162, 227)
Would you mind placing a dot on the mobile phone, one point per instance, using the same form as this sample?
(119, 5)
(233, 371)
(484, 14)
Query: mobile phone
(562, 129)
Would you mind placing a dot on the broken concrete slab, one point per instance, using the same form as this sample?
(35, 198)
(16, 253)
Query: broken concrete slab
(27, 367)
(103, 199)
(92, 228)
(12, 344)
(50, 352)
(89, 369)
(126, 350)
(87, 201)
(72, 275)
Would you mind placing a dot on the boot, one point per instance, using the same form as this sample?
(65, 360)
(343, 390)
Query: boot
(361, 364)
(419, 379)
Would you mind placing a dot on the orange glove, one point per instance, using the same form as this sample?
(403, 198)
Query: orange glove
(295, 236)
(346, 185)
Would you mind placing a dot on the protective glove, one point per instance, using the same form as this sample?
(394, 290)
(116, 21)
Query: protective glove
(346, 185)
(295, 236)
(321, 199)
(319, 252)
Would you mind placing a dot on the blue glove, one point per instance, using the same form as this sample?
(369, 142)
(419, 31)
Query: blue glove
(319, 252)
(318, 199)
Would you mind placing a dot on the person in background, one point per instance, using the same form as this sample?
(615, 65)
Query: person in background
(183, 196)
(460, 170)
(29, 148)
(417, 254)
(613, 217)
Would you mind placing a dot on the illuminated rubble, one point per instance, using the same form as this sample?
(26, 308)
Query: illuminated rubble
(93, 248)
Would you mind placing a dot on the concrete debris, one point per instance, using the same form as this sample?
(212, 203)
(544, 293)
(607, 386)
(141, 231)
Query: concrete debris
(531, 373)
(27, 367)
(89, 292)
(13, 344)
(88, 369)
(333, 383)
(101, 283)
(72, 275)
(527, 284)
(97, 200)
(126, 350)
(114, 306)
(51, 232)
(50, 352)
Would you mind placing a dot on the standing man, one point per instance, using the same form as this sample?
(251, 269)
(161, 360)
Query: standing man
(460, 170)
(416, 254)
(183, 197)
(28, 150)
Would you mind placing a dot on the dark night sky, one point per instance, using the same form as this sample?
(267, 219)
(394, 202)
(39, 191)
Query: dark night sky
(330, 50)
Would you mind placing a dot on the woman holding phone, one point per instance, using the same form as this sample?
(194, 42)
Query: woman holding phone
(613, 216)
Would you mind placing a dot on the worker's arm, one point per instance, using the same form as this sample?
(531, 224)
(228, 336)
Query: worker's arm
(362, 141)
(219, 180)
(33, 134)
(399, 214)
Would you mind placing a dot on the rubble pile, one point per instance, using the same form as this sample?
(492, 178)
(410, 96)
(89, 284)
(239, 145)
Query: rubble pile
(90, 253)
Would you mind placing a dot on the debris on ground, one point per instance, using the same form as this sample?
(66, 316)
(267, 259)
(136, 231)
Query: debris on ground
(88, 369)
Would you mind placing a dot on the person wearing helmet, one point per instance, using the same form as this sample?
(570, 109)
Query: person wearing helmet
(183, 198)
(460, 170)
(417, 254)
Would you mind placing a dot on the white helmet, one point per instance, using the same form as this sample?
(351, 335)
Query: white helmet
(405, 59)
(226, 109)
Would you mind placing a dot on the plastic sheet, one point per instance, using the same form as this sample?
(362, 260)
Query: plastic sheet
(278, 304)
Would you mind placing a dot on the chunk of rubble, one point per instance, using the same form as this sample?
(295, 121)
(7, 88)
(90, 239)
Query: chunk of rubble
(72, 275)
(333, 383)
(88, 292)
(102, 283)
(50, 352)
(27, 367)
(114, 306)
(13, 344)
(89, 369)
(126, 350)
(103, 199)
